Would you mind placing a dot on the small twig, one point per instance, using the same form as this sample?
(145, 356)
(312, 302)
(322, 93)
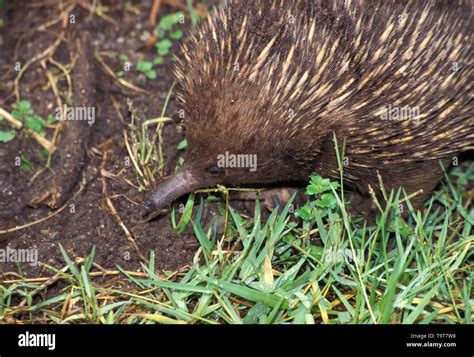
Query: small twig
(114, 212)
(50, 281)
(40, 28)
(111, 73)
(92, 274)
(27, 225)
(98, 11)
(17, 124)
(59, 101)
(132, 157)
(48, 52)
(66, 74)
(155, 8)
(158, 131)
(117, 109)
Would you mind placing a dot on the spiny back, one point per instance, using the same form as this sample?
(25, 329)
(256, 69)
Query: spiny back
(303, 69)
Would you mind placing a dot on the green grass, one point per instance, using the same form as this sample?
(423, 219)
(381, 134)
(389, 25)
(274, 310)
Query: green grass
(327, 268)
(145, 146)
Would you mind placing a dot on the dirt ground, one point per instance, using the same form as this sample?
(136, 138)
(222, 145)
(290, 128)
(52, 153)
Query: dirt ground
(76, 181)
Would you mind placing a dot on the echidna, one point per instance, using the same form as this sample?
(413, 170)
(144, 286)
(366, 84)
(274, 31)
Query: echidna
(276, 80)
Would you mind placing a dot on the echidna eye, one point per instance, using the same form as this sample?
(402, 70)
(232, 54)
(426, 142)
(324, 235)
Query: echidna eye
(215, 170)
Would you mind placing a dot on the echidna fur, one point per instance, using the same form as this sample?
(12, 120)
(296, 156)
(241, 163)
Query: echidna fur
(280, 79)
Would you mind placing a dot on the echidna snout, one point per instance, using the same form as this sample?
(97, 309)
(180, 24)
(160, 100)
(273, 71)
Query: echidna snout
(172, 188)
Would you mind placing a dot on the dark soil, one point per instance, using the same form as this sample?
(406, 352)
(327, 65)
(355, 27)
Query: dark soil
(75, 178)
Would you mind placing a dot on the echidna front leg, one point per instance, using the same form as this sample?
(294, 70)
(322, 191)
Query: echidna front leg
(272, 198)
